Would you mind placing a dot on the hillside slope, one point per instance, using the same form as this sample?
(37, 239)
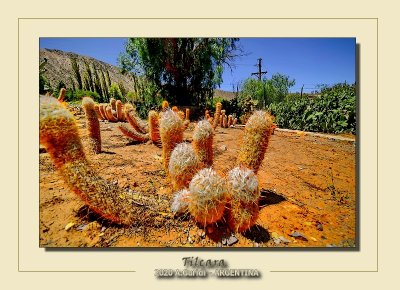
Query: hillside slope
(59, 68)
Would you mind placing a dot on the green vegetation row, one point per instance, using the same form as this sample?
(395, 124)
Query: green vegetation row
(333, 111)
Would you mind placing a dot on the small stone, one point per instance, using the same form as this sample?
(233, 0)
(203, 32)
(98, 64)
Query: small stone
(103, 229)
(323, 238)
(283, 240)
(256, 245)
(298, 235)
(224, 241)
(232, 240)
(223, 148)
(219, 245)
(277, 241)
(319, 226)
(190, 240)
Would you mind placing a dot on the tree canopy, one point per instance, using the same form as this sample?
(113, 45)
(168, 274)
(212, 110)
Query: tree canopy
(185, 71)
(266, 91)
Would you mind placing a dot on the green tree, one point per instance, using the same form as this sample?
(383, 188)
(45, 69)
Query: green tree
(115, 92)
(89, 78)
(281, 84)
(72, 83)
(96, 80)
(266, 91)
(104, 86)
(184, 71)
(76, 72)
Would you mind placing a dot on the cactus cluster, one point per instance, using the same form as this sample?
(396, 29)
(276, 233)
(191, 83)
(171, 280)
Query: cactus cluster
(199, 189)
(220, 118)
(59, 135)
(141, 131)
(208, 194)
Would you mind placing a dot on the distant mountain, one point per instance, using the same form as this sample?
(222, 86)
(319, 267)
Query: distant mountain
(224, 94)
(59, 68)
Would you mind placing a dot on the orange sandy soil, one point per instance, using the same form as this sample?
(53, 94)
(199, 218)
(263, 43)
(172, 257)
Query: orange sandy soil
(307, 185)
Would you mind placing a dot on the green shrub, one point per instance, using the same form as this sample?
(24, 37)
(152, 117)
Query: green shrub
(77, 95)
(333, 111)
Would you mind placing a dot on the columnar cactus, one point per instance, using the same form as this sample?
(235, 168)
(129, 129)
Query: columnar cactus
(113, 104)
(183, 165)
(187, 115)
(218, 108)
(154, 123)
(208, 196)
(234, 121)
(118, 105)
(92, 124)
(97, 109)
(203, 141)
(59, 135)
(61, 96)
(255, 140)
(102, 110)
(110, 115)
(230, 120)
(244, 194)
(164, 106)
(175, 109)
(181, 115)
(171, 133)
(134, 120)
(225, 121)
(133, 134)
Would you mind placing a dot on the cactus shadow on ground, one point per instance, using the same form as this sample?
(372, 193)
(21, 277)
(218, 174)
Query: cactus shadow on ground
(257, 234)
(107, 152)
(269, 197)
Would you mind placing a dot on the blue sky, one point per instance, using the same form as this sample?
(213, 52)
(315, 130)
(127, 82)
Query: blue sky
(310, 61)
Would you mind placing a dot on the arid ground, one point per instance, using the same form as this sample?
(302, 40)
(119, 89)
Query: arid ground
(308, 196)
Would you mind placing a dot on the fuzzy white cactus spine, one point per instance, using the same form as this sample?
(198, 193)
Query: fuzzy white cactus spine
(183, 165)
(203, 142)
(171, 133)
(208, 196)
(255, 140)
(92, 124)
(244, 195)
(180, 201)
